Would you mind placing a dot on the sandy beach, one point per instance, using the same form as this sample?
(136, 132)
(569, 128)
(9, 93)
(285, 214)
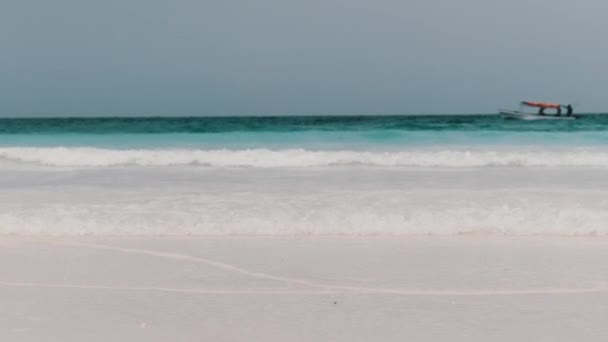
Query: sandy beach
(467, 288)
(346, 254)
(286, 171)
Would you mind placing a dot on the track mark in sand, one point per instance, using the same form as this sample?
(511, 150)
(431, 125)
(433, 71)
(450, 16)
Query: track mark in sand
(376, 291)
(205, 261)
(321, 287)
(475, 293)
(157, 289)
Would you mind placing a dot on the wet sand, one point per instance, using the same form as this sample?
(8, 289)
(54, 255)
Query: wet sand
(463, 288)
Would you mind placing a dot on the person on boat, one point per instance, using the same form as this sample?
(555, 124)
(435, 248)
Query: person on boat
(541, 111)
(569, 110)
(559, 111)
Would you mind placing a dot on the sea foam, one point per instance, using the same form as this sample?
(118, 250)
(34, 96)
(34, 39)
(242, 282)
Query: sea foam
(361, 202)
(265, 158)
(306, 216)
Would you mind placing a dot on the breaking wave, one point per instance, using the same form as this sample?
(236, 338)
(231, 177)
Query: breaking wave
(266, 158)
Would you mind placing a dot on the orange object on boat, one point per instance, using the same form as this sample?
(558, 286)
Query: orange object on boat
(541, 104)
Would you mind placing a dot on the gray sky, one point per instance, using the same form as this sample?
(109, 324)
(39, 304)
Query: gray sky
(231, 57)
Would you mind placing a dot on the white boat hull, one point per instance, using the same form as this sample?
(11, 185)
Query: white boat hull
(513, 114)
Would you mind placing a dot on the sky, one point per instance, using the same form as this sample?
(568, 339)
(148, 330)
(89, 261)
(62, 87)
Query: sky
(287, 57)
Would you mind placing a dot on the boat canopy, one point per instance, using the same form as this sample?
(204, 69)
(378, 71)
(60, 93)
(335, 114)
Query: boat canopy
(540, 104)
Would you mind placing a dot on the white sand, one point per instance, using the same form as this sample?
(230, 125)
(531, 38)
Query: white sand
(304, 289)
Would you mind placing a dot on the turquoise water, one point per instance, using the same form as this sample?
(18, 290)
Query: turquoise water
(362, 175)
(308, 132)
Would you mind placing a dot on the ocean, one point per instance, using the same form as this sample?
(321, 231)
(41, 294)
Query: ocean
(304, 175)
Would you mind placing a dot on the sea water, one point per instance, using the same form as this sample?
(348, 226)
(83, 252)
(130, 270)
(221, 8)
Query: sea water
(310, 175)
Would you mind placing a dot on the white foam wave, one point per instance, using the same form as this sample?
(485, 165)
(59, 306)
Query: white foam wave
(296, 220)
(265, 158)
(295, 212)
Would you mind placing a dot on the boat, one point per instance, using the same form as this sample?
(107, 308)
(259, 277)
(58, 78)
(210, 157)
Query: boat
(540, 115)
(517, 115)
